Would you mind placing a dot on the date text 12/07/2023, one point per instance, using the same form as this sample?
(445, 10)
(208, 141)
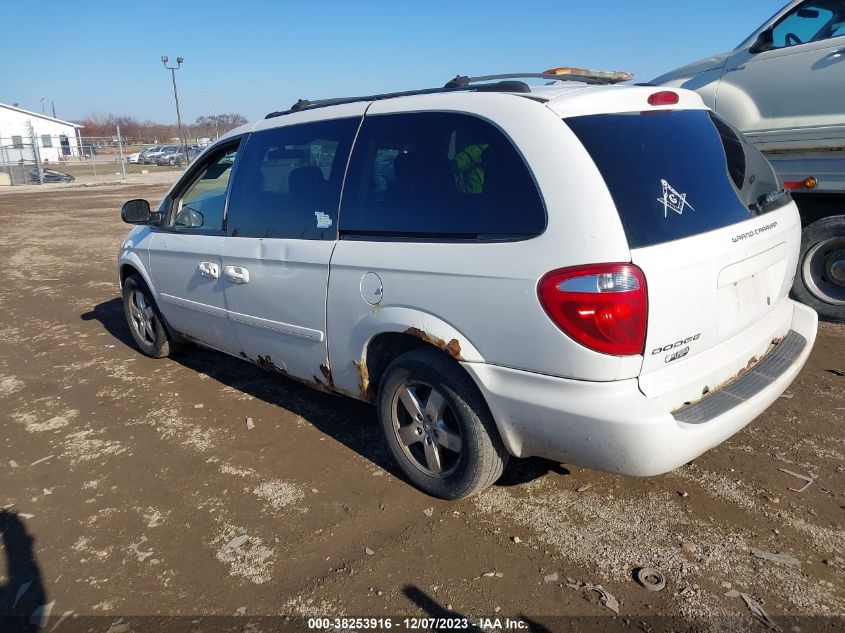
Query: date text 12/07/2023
(415, 624)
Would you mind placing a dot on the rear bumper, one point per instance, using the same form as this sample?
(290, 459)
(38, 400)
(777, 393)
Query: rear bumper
(613, 426)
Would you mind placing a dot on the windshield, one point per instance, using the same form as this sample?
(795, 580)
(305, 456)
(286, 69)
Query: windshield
(676, 173)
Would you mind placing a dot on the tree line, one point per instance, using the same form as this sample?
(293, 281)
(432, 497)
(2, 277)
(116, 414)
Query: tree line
(133, 130)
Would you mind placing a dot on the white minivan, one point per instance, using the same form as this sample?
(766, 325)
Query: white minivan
(594, 274)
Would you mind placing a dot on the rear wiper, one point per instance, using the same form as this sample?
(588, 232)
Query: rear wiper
(769, 201)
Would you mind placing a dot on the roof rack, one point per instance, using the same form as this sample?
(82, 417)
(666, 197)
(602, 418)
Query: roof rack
(503, 83)
(501, 86)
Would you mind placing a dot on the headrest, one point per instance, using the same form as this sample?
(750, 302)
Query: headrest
(404, 166)
(305, 180)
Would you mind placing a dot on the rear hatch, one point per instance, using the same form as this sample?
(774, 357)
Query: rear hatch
(714, 233)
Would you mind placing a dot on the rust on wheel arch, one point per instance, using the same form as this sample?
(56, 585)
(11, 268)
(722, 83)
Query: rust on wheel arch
(363, 380)
(453, 347)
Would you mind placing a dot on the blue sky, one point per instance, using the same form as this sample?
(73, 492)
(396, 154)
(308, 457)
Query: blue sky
(255, 57)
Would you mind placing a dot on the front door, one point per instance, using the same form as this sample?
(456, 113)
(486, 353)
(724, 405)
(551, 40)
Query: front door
(796, 88)
(281, 231)
(185, 262)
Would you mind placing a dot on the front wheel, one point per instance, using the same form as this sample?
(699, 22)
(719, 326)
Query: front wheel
(438, 426)
(144, 320)
(820, 280)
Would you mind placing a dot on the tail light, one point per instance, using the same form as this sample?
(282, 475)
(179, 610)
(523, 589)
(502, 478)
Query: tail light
(603, 306)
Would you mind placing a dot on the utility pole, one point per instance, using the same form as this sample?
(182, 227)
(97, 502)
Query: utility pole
(173, 70)
(120, 154)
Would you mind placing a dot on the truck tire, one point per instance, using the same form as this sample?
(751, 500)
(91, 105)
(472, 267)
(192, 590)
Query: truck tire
(820, 279)
(438, 426)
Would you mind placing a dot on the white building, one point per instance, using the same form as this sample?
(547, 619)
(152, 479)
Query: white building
(57, 139)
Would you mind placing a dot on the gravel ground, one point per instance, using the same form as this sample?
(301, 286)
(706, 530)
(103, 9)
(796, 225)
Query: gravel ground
(133, 488)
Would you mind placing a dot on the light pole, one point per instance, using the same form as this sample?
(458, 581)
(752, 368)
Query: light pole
(173, 70)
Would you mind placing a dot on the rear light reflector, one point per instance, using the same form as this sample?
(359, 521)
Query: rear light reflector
(808, 183)
(664, 97)
(603, 307)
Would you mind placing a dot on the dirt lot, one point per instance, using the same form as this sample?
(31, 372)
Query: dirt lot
(133, 487)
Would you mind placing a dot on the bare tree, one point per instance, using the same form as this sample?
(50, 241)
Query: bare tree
(103, 125)
(212, 124)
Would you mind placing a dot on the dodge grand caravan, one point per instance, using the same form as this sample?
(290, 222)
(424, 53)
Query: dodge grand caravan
(596, 274)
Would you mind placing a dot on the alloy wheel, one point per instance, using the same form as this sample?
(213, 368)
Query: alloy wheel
(143, 317)
(427, 429)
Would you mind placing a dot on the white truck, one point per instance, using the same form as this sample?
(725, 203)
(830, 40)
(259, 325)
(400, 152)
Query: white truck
(784, 87)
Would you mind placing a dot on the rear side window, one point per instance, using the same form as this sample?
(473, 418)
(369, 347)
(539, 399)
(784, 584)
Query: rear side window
(288, 181)
(674, 174)
(438, 175)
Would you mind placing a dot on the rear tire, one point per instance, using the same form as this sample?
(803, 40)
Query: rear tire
(820, 279)
(438, 426)
(145, 321)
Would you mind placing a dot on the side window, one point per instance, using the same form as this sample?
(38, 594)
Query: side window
(289, 180)
(809, 22)
(200, 207)
(439, 175)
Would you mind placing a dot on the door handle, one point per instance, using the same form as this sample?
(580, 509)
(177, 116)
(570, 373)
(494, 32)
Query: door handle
(237, 274)
(837, 54)
(209, 269)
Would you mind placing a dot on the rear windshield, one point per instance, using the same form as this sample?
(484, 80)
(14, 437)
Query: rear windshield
(677, 173)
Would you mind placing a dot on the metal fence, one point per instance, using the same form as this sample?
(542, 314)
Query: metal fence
(42, 158)
(90, 156)
(22, 168)
(39, 158)
(20, 162)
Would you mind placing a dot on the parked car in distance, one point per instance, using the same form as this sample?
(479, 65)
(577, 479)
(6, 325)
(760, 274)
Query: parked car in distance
(163, 157)
(142, 155)
(177, 156)
(519, 270)
(149, 158)
(133, 157)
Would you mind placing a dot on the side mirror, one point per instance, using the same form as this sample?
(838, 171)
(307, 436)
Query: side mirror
(764, 42)
(136, 212)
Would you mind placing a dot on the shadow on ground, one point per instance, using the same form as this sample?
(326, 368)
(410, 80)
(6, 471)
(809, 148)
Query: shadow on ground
(23, 595)
(450, 620)
(110, 315)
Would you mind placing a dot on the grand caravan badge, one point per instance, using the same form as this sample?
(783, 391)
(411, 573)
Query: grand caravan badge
(672, 200)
